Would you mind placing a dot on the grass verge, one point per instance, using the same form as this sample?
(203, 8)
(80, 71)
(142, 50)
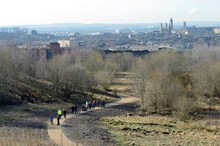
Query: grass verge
(160, 130)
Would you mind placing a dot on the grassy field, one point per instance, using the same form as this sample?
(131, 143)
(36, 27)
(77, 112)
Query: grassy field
(203, 128)
(122, 83)
(26, 125)
(159, 130)
(20, 136)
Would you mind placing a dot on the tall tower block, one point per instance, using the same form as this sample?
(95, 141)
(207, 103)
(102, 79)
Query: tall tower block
(171, 24)
(161, 27)
(184, 25)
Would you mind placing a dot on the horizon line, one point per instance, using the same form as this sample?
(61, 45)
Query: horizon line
(100, 23)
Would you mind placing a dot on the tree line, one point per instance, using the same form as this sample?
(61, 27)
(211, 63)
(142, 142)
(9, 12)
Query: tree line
(26, 77)
(165, 81)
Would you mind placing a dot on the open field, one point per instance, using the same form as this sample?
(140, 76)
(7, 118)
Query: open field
(27, 124)
(154, 130)
(158, 130)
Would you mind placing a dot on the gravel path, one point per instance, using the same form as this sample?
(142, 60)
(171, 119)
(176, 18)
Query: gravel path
(87, 128)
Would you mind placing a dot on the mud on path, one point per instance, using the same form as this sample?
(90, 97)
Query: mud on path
(86, 129)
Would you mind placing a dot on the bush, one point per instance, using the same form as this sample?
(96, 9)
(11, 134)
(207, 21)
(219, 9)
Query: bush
(163, 80)
(183, 106)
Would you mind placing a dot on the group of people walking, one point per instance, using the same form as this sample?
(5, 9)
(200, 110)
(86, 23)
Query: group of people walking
(85, 107)
(93, 104)
(63, 113)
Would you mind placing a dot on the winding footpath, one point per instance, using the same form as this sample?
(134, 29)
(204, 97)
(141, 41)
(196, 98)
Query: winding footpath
(58, 137)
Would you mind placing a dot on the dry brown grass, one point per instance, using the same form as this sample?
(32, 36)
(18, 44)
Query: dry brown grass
(16, 136)
(105, 97)
(120, 88)
(162, 130)
(26, 125)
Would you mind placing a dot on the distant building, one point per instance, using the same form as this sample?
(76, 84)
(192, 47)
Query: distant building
(50, 53)
(171, 24)
(15, 29)
(71, 43)
(44, 53)
(5, 30)
(216, 30)
(166, 26)
(184, 25)
(137, 53)
(64, 43)
(117, 31)
(55, 47)
(125, 30)
(24, 30)
(34, 32)
(161, 27)
(36, 53)
(11, 29)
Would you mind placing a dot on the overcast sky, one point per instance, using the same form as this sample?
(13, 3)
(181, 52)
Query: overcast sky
(17, 12)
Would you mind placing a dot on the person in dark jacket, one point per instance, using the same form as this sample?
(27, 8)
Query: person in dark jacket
(90, 105)
(103, 103)
(64, 113)
(58, 119)
(72, 109)
(75, 109)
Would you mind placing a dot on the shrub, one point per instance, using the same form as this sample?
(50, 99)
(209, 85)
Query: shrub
(163, 79)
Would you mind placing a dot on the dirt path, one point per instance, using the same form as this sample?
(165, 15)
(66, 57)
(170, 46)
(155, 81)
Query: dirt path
(57, 136)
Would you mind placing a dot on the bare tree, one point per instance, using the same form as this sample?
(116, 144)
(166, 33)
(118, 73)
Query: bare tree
(205, 72)
(94, 62)
(124, 61)
(160, 81)
(74, 79)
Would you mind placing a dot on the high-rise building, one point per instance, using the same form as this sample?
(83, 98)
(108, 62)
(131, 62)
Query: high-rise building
(171, 24)
(166, 26)
(184, 25)
(161, 27)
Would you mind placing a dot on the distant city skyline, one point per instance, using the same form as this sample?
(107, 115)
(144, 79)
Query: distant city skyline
(29, 12)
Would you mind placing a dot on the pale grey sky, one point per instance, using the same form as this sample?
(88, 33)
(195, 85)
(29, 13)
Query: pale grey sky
(17, 12)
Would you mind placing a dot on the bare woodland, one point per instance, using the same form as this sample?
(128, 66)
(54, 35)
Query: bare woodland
(173, 82)
(167, 81)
